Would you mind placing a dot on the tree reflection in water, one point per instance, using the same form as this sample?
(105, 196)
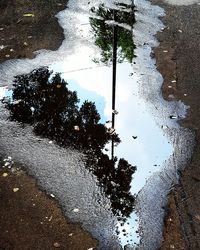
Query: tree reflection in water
(103, 32)
(43, 100)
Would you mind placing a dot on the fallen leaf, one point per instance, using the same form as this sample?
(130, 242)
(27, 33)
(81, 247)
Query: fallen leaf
(29, 15)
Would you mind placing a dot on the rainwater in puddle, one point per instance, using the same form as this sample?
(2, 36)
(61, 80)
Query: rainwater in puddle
(106, 141)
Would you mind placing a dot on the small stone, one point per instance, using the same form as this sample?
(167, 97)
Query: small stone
(5, 174)
(169, 86)
(165, 51)
(185, 94)
(180, 31)
(76, 210)
(172, 246)
(91, 248)
(11, 50)
(7, 55)
(15, 190)
(25, 43)
(52, 195)
(50, 142)
(173, 81)
(70, 235)
(56, 244)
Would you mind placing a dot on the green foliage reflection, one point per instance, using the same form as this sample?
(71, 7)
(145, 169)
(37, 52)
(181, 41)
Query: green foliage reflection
(103, 32)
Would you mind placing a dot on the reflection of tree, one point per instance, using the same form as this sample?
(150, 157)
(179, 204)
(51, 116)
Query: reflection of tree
(103, 32)
(44, 101)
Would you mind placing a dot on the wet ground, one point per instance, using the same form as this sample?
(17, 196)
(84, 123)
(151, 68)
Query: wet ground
(31, 220)
(179, 39)
(82, 132)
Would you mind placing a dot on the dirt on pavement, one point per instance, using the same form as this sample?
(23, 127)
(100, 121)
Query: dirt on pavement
(32, 220)
(182, 63)
(29, 219)
(27, 26)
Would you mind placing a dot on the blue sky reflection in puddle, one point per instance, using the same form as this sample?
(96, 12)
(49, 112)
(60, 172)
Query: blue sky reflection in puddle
(143, 143)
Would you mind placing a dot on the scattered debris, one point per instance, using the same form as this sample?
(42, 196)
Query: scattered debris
(7, 55)
(171, 96)
(16, 102)
(5, 174)
(70, 235)
(180, 31)
(164, 127)
(56, 244)
(173, 117)
(2, 47)
(29, 15)
(51, 217)
(115, 112)
(25, 43)
(52, 195)
(15, 190)
(77, 128)
(76, 210)
(173, 81)
(165, 51)
(111, 131)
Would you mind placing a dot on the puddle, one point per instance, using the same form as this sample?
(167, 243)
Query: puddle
(76, 153)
